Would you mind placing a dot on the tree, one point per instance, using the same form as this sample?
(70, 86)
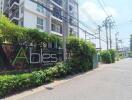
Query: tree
(9, 31)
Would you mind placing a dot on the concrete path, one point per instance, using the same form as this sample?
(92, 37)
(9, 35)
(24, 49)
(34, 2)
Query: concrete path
(109, 82)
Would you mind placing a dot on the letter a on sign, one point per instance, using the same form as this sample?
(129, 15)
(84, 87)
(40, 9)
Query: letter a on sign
(21, 55)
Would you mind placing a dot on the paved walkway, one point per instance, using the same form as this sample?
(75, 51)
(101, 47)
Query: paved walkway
(109, 82)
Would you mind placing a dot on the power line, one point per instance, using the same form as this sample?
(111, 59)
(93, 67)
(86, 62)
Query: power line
(66, 20)
(106, 29)
(48, 9)
(111, 21)
(108, 13)
(91, 19)
(103, 8)
(116, 28)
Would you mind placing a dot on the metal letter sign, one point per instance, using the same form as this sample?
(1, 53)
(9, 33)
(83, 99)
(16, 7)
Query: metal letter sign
(33, 55)
(42, 57)
(21, 55)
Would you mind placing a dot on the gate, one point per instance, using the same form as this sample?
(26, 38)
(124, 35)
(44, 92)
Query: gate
(95, 61)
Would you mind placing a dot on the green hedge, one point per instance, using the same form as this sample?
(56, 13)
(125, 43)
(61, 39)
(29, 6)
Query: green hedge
(106, 56)
(14, 83)
(81, 54)
(130, 54)
(113, 55)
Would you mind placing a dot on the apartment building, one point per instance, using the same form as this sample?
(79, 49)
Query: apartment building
(1, 6)
(26, 13)
(74, 17)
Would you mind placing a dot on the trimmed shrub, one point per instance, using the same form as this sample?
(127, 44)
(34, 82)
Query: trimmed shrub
(106, 57)
(81, 54)
(130, 54)
(113, 55)
(62, 70)
(11, 83)
(121, 55)
(14, 83)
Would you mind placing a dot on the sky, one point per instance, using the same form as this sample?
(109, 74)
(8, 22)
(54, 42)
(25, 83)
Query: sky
(92, 15)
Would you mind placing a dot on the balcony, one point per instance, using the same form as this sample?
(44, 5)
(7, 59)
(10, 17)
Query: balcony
(74, 2)
(57, 12)
(59, 2)
(14, 16)
(57, 15)
(56, 27)
(14, 4)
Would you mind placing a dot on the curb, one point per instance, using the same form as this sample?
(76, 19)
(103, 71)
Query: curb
(44, 87)
(50, 86)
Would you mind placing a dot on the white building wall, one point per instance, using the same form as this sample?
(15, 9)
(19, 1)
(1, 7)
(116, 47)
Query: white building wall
(30, 20)
(74, 13)
(1, 6)
(30, 15)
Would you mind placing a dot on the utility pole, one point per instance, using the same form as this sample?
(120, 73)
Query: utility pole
(85, 35)
(111, 23)
(106, 28)
(65, 32)
(116, 39)
(99, 30)
(110, 26)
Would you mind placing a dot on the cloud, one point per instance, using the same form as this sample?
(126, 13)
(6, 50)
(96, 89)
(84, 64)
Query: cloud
(91, 11)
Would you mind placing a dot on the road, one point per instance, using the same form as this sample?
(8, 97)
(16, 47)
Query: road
(109, 82)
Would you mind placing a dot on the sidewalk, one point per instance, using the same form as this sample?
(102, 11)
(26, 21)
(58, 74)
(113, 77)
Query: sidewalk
(49, 86)
(108, 82)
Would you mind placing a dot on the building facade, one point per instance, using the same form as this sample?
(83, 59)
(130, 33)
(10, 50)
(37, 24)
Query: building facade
(61, 15)
(1, 6)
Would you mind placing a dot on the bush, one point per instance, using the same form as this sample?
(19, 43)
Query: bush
(106, 57)
(117, 56)
(11, 83)
(62, 70)
(113, 55)
(121, 55)
(14, 83)
(81, 54)
(130, 54)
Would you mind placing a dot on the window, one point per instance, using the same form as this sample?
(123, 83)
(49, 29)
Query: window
(71, 21)
(70, 8)
(21, 22)
(71, 30)
(39, 23)
(56, 28)
(40, 8)
(59, 2)
(57, 12)
(22, 10)
(40, 1)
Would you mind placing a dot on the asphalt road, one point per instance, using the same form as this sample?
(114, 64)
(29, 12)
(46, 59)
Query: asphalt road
(109, 82)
